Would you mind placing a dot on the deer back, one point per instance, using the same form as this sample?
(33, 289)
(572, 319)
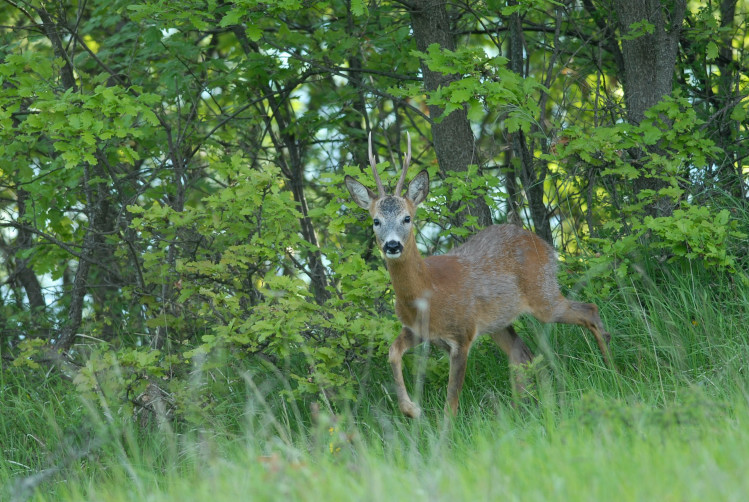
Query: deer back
(484, 284)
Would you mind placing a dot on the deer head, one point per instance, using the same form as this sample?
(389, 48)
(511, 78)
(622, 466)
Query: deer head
(392, 215)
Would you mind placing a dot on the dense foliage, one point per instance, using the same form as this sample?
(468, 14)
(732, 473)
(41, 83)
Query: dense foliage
(171, 171)
(191, 306)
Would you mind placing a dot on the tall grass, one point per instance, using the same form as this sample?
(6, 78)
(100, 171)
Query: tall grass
(671, 423)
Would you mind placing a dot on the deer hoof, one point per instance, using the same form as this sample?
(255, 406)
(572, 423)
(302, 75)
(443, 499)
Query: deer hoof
(410, 410)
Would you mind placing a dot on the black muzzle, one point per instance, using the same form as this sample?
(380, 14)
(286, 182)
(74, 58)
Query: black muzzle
(392, 247)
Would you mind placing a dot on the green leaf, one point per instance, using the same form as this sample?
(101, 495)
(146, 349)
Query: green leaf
(711, 51)
(460, 95)
(254, 32)
(358, 7)
(739, 113)
(639, 29)
(232, 17)
(510, 9)
(650, 133)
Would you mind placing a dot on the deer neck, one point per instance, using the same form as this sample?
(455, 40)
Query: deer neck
(410, 278)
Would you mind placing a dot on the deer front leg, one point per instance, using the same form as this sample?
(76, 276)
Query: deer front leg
(458, 362)
(405, 340)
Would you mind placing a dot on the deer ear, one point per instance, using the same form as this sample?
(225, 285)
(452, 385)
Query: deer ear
(418, 189)
(362, 195)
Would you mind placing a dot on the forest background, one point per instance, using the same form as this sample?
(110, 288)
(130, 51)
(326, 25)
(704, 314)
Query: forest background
(174, 227)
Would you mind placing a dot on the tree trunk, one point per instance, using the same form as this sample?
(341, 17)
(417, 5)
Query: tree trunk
(453, 139)
(649, 60)
(317, 274)
(729, 170)
(80, 283)
(532, 178)
(356, 126)
(25, 274)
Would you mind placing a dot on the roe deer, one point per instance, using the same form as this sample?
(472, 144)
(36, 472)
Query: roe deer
(477, 288)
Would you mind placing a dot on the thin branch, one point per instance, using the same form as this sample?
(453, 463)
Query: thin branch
(344, 72)
(98, 61)
(66, 247)
(228, 118)
(24, 11)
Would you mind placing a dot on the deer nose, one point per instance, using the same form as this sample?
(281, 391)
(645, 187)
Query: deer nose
(392, 247)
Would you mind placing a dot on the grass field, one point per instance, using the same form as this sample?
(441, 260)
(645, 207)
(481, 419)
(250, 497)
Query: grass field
(671, 424)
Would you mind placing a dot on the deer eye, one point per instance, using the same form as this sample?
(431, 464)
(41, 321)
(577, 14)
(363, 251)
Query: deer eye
(376, 222)
(407, 219)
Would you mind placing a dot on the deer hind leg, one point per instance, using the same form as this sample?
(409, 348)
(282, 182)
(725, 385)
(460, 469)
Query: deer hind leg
(404, 341)
(518, 353)
(458, 363)
(586, 315)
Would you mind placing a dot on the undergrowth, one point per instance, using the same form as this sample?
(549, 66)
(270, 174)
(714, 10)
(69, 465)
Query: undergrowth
(671, 422)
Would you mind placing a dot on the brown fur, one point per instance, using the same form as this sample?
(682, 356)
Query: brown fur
(478, 288)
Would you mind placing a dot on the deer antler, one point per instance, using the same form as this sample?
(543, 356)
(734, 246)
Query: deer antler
(406, 162)
(372, 163)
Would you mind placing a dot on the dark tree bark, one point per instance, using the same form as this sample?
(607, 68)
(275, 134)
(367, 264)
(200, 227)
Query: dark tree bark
(358, 130)
(650, 58)
(649, 61)
(80, 283)
(514, 195)
(453, 139)
(23, 271)
(532, 176)
(316, 268)
(728, 96)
